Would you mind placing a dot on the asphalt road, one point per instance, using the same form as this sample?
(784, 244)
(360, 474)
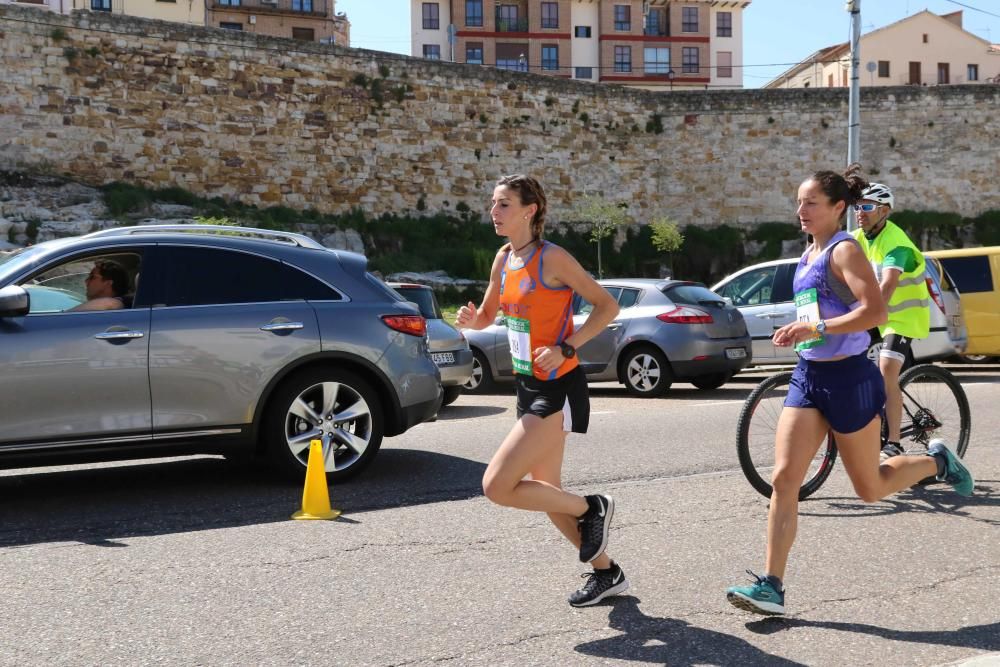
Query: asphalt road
(194, 561)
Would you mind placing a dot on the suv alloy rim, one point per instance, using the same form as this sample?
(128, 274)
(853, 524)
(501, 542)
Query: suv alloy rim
(332, 412)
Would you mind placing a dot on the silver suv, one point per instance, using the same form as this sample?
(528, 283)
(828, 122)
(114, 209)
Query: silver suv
(225, 338)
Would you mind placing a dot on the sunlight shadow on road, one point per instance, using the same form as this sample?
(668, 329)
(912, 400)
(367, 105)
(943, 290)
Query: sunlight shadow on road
(933, 499)
(985, 637)
(670, 641)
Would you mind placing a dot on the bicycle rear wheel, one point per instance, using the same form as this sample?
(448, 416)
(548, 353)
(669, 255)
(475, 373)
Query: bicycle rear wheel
(755, 439)
(934, 406)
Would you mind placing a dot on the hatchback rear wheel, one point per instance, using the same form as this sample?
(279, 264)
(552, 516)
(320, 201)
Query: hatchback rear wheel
(645, 372)
(333, 405)
(713, 381)
(482, 377)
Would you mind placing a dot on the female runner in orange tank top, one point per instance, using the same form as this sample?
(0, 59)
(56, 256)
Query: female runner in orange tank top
(533, 282)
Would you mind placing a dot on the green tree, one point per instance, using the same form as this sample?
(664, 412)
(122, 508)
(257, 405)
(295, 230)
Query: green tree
(667, 238)
(603, 217)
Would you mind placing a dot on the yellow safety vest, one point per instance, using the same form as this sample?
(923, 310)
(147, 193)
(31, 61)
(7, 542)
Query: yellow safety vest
(909, 305)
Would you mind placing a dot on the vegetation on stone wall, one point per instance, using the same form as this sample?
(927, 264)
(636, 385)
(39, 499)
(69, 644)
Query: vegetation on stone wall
(463, 247)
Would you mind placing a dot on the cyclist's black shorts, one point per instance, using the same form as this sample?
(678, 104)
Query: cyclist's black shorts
(896, 346)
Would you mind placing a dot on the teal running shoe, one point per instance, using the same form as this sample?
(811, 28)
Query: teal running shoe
(955, 472)
(760, 598)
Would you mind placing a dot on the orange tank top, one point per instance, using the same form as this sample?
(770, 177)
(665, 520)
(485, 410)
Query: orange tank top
(536, 315)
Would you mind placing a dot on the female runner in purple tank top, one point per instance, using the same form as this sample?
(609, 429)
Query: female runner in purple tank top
(835, 386)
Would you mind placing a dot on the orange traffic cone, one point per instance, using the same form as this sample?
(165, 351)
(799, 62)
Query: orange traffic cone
(316, 495)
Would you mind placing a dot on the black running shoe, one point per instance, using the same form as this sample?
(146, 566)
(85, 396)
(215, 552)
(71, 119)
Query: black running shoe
(600, 584)
(593, 526)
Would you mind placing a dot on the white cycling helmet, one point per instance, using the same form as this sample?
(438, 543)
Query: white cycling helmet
(877, 192)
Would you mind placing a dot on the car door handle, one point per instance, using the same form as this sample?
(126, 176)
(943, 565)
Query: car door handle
(615, 326)
(282, 326)
(769, 316)
(119, 335)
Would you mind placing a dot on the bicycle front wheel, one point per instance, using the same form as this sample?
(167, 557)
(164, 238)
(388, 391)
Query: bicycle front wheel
(934, 406)
(756, 429)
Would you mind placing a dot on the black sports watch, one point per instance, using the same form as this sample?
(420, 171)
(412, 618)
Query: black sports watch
(568, 350)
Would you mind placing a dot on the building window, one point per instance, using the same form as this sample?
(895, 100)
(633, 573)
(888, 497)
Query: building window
(724, 24)
(229, 3)
(689, 19)
(623, 58)
(101, 5)
(432, 18)
(623, 17)
(302, 5)
(582, 31)
(584, 73)
(943, 73)
(231, 26)
(512, 57)
(305, 34)
(883, 69)
(509, 20)
(432, 51)
(550, 56)
(724, 69)
(829, 81)
(474, 53)
(656, 60)
(550, 14)
(474, 13)
(972, 73)
(689, 60)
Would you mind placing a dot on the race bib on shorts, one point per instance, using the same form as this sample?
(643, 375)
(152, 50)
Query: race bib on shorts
(807, 310)
(519, 337)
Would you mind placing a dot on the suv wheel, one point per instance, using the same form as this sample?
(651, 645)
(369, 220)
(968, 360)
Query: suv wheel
(645, 372)
(451, 394)
(329, 404)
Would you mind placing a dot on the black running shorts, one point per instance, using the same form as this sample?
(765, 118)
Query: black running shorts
(896, 346)
(567, 394)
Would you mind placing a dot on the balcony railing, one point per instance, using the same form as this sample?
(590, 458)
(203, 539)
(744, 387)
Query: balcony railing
(512, 24)
(312, 7)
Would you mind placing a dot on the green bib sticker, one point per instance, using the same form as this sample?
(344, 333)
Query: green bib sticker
(519, 337)
(807, 310)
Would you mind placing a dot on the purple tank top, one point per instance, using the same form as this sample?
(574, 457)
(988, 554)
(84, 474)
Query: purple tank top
(834, 299)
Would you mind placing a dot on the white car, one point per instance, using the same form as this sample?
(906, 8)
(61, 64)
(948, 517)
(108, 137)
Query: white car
(763, 293)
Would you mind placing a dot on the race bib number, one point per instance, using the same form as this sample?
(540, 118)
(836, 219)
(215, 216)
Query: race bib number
(519, 337)
(807, 310)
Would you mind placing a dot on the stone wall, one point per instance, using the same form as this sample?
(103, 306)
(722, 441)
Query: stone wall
(269, 121)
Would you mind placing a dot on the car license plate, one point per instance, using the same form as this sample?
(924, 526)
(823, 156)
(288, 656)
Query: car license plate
(736, 353)
(441, 358)
(956, 321)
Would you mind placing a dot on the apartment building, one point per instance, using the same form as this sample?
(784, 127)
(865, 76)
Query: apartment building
(309, 20)
(652, 44)
(922, 49)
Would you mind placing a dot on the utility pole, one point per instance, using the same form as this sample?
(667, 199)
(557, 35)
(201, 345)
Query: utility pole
(854, 99)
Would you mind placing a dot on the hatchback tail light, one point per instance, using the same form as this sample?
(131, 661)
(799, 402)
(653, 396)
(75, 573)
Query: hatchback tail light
(414, 325)
(935, 294)
(685, 315)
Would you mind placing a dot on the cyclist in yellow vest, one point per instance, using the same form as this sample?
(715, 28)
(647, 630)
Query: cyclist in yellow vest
(899, 267)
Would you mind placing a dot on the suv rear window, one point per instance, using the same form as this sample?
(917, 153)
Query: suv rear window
(424, 298)
(693, 294)
(970, 274)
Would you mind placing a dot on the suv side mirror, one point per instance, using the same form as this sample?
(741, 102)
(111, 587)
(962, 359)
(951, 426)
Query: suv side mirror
(14, 301)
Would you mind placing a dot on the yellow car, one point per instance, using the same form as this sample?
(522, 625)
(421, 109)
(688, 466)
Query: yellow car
(976, 273)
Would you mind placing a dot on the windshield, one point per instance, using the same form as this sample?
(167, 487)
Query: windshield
(14, 262)
(424, 298)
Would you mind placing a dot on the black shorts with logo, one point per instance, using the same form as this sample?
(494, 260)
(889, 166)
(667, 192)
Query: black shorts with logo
(567, 394)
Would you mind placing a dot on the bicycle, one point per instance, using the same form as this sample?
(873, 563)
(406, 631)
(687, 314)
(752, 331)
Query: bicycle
(934, 406)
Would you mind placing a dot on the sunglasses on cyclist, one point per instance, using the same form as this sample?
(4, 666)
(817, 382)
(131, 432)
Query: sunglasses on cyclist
(867, 208)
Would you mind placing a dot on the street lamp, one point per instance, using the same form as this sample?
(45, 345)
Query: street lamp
(670, 78)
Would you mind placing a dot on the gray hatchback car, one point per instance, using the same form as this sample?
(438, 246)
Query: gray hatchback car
(228, 340)
(666, 330)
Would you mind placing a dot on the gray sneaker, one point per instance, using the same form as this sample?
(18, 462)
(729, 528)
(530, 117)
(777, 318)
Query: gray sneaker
(889, 450)
(955, 472)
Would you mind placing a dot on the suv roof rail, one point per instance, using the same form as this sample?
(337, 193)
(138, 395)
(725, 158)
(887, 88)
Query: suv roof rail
(300, 240)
